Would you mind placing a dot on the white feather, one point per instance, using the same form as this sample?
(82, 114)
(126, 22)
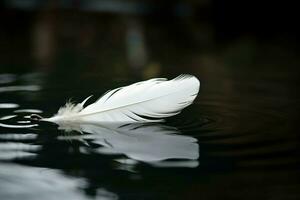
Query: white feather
(147, 101)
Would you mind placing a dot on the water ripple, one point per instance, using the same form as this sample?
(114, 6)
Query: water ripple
(17, 126)
(28, 111)
(7, 78)
(31, 88)
(18, 137)
(8, 117)
(12, 146)
(8, 105)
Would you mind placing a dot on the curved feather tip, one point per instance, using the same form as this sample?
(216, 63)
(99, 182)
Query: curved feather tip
(146, 101)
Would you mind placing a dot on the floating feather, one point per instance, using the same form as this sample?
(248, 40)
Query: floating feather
(146, 101)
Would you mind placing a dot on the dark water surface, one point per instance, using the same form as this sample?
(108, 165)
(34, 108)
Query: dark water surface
(239, 140)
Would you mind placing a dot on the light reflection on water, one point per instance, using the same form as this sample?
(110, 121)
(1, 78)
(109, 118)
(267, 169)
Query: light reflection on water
(8, 105)
(30, 88)
(8, 117)
(15, 136)
(33, 183)
(7, 78)
(17, 126)
(28, 111)
(18, 145)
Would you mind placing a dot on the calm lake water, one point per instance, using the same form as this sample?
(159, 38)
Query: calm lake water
(239, 140)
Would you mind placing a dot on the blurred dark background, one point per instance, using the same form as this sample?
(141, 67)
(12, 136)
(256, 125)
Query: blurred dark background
(246, 117)
(146, 37)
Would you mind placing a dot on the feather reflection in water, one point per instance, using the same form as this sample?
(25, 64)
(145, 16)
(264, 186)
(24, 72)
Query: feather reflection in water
(151, 143)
